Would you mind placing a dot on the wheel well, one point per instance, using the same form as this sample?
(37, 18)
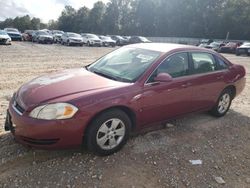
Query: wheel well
(125, 109)
(232, 89)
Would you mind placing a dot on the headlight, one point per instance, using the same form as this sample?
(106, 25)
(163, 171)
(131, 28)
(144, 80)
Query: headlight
(54, 111)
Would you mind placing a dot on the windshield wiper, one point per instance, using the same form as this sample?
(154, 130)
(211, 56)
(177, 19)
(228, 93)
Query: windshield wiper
(104, 75)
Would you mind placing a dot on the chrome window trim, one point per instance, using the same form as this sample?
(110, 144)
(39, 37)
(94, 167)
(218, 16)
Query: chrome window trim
(207, 73)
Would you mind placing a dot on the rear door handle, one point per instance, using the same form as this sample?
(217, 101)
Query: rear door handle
(220, 77)
(186, 85)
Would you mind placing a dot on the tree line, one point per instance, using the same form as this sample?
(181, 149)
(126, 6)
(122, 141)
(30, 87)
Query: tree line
(164, 18)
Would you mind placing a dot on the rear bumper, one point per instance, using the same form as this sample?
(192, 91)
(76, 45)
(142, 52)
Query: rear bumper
(47, 134)
(243, 51)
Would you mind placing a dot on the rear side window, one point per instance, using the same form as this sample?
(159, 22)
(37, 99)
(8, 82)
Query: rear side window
(221, 64)
(203, 62)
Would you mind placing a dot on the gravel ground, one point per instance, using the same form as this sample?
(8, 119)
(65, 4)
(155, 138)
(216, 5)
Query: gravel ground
(155, 159)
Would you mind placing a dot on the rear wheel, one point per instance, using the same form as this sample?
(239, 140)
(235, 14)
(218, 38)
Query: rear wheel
(223, 103)
(108, 133)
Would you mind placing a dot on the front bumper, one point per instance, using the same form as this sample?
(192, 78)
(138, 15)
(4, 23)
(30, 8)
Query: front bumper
(5, 41)
(45, 134)
(15, 37)
(76, 42)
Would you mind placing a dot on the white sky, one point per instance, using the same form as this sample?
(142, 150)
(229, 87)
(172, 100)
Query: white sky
(44, 9)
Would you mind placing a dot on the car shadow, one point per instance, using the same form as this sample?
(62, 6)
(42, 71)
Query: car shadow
(191, 124)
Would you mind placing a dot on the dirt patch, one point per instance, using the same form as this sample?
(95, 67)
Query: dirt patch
(155, 159)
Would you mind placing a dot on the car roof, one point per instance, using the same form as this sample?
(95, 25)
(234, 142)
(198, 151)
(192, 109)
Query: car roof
(165, 47)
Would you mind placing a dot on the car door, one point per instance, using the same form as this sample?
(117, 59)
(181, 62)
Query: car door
(161, 101)
(208, 79)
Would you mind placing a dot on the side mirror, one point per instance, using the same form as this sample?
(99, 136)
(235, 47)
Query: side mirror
(163, 77)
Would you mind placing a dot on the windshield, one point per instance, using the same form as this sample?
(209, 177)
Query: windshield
(105, 38)
(42, 33)
(125, 64)
(11, 30)
(74, 35)
(57, 32)
(92, 36)
(2, 32)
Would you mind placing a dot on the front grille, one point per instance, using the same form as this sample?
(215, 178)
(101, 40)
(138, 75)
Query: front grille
(3, 40)
(97, 41)
(39, 141)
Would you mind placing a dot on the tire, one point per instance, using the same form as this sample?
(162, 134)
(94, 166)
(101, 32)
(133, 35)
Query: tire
(100, 133)
(88, 43)
(68, 43)
(223, 103)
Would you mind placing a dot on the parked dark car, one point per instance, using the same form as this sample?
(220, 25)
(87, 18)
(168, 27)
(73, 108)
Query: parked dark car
(138, 39)
(243, 49)
(27, 35)
(125, 91)
(42, 37)
(14, 33)
(230, 47)
(120, 41)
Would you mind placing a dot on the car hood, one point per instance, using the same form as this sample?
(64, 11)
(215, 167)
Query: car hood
(75, 38)
(58, 35)
(4, 37)
(13, 32)
(47, 36)
(61, 84)
(108, 40)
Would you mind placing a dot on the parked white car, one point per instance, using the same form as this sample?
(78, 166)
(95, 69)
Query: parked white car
(57, 36)
(4, 38)
(69, 39)
(107, 41)
(91, 39)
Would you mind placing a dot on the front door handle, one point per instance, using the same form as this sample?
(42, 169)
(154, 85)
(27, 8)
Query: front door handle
(186, 85)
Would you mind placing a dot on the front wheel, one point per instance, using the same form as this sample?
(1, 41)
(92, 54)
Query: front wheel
(223, 104)
(108, 133)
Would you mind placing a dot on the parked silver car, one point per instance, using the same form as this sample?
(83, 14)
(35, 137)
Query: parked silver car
(107, 41)
(91, 39)
(42, 37)
(70, 38)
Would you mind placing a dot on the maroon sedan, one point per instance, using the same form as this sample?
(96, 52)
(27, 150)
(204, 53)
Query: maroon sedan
(126, 90)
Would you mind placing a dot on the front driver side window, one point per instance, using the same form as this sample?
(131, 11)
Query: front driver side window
(175, 65)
